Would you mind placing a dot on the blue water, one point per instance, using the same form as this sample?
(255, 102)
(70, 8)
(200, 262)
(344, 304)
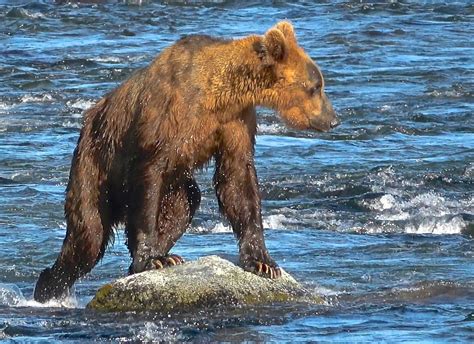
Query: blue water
(377, 216)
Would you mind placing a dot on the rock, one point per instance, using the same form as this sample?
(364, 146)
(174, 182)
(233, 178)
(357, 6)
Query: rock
(206, 282)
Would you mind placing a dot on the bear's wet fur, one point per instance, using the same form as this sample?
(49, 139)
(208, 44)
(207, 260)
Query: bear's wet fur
(141, 143)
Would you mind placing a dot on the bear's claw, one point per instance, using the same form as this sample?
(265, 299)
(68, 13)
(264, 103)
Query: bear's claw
(165, 261)
(266, 270)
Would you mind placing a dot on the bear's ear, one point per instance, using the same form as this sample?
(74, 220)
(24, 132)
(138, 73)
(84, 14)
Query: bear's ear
(287, 29)
(275, 45)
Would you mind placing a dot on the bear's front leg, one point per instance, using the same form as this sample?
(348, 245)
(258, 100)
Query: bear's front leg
(236, 184)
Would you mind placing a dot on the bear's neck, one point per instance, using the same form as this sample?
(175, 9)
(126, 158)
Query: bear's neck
(241, 79)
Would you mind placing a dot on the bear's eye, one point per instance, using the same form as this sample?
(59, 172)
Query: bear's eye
(314, 90)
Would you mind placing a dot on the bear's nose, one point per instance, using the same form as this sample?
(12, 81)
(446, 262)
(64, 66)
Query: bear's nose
(335, 122)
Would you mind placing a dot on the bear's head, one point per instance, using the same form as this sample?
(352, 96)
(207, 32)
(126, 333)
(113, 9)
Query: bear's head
(298, 91)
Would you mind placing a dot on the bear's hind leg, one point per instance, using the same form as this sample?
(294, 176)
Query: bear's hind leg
(88, 232)
(150, 245)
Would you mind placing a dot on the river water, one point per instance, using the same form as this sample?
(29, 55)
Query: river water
(377, 216)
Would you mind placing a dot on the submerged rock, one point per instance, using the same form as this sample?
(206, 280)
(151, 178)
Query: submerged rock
(206, 282)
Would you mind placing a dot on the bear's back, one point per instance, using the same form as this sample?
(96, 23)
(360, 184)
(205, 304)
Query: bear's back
(198, 42)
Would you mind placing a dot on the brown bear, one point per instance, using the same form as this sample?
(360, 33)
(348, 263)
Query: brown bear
(141, 143)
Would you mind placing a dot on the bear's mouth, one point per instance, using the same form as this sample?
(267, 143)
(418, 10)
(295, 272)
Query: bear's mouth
(319, 125)
(323, 125)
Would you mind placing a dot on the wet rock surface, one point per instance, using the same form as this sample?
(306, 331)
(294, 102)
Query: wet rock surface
(207, 282)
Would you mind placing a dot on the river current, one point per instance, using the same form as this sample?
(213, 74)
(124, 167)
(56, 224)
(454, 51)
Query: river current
(377, 215)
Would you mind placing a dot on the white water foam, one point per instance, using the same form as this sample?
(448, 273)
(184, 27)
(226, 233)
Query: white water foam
(81, 104)
(138, 58)
(4, 107)
(11, 296)
(21, 12)
(438, 226)
(276, 221)
(210, 227)
(385, 108)
(31, 98)
(69, 124)
(33, 15)
(270, 128)
(446, 93)
(426, 213)
(69, 302)
(107, 59)
(157, 332)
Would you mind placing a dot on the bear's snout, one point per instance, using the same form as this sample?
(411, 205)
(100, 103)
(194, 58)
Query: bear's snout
(324, 122)
(335, 122)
